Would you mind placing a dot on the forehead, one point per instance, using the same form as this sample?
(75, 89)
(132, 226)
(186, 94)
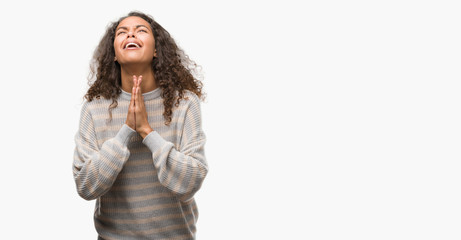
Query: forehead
(133, 21)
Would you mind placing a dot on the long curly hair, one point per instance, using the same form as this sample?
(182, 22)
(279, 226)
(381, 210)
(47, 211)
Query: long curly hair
(174, 70)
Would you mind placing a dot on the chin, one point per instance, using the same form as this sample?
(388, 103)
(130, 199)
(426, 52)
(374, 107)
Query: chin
(130, 61)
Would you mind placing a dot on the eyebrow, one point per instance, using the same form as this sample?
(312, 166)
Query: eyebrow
(137, 26)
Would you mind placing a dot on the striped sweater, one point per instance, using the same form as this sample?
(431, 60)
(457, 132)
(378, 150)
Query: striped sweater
(144, 188)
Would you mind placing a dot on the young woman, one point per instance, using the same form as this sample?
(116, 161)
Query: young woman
(140, 144)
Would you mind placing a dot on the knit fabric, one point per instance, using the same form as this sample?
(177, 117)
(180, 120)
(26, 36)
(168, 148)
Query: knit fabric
(144, 188)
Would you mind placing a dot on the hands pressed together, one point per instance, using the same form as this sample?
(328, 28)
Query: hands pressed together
(137, 115)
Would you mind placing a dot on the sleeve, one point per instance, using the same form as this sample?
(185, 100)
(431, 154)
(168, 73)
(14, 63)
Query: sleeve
(181, 170)
(95, 169)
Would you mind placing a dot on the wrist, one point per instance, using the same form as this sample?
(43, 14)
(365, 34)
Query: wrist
(130, 126)
(145, 131)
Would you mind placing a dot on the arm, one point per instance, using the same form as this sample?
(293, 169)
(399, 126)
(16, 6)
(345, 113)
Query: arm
(94, 169)
(181, 170)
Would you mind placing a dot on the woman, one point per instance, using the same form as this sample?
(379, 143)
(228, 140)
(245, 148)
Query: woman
(140, 145)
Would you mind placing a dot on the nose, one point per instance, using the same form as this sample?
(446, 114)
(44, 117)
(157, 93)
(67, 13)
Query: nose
(131, 34)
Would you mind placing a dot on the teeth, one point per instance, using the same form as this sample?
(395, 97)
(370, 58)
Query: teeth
(132, 44)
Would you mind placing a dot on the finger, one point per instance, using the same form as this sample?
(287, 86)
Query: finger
(136, 95)
(140, 101)
(140, 98)
(133, 94)
(135, 81)
(133, 97)
(139, 84)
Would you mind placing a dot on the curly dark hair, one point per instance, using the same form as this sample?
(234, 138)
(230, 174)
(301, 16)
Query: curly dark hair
(174, 70)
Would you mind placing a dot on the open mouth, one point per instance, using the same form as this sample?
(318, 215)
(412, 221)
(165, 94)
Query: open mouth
(131, 46)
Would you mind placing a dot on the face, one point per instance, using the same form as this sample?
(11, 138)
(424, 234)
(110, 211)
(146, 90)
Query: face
(134, 41)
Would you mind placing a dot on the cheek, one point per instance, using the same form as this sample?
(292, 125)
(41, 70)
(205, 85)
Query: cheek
(116, 46)
(151, 44)
(149, 40)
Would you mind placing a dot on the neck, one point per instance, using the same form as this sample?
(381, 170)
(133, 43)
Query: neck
(148, 80)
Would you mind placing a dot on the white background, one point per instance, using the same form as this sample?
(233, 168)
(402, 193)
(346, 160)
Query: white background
(324, 119)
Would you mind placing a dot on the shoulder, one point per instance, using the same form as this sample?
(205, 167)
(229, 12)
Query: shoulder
(190, 101)
(190, 98)
(97, 104)
(189, 104)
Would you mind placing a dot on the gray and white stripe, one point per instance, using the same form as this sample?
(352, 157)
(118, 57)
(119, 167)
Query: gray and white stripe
(144, 188)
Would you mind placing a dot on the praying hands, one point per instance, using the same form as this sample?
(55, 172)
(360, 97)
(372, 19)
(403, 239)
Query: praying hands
(137, 115)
